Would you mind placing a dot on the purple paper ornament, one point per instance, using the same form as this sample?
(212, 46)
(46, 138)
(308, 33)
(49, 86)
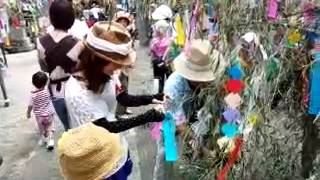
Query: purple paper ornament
(231, 115)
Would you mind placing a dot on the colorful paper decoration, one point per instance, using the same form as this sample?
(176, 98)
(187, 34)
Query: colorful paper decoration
(180, 38)
(174, 51)
(169, 129)
(272, 69)
(311, 36)
(272, 9)
(316, 47)
(314, 94)
(294, 36)
(229, 129)
(235, 72)
(231, 115)
(233, 100)
(155, 130)
(234, 85)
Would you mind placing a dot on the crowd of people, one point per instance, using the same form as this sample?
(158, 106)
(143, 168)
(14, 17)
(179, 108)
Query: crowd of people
(84, 80)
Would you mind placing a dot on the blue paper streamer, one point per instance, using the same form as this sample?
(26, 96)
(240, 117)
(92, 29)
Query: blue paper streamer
(314, 78)
(169, 129)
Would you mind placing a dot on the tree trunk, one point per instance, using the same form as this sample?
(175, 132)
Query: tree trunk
(142, 21)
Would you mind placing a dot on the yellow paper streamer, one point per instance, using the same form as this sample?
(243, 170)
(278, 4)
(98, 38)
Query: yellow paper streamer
(180, 39)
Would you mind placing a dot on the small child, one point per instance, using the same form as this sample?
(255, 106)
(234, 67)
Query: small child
(41, 104)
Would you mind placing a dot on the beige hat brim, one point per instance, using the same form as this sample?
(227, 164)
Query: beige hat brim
(192, 75)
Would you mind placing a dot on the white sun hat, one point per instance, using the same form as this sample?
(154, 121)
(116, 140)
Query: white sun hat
(162, 12)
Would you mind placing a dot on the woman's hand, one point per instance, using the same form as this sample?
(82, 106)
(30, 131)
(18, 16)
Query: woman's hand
(156, 114)
(159, 98)
(156, 101)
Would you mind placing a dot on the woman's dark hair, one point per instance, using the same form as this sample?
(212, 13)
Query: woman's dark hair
(92, 68)
(123, 18)
(61, 14)
(39, 79)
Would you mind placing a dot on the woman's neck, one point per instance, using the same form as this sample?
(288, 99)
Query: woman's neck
(60, 30)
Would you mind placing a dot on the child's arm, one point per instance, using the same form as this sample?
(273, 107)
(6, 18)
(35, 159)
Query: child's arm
(29, 108)
(29, 111)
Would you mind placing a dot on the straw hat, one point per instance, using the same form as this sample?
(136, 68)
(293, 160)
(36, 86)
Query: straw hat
(88, 152)
(111, 42)
(201, 63)
(162, 12)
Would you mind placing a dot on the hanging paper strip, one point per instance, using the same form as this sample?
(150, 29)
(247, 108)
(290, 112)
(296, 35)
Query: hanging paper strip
(192, 25)
(180, 39)
(272, 9)
(169, 129)
(314, 94)
(155, 130)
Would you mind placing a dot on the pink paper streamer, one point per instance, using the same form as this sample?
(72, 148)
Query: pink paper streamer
(272, 9)
(155, 130)
(193, 25)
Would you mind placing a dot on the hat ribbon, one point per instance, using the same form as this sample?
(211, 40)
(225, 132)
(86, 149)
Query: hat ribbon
(123, 49)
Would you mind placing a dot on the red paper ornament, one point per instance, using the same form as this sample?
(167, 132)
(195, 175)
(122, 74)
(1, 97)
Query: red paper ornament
(234, 85)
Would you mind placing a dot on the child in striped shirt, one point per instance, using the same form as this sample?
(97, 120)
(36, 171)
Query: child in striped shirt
(42, 107)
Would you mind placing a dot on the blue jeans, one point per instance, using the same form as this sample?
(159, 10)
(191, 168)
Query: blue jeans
(61, 109)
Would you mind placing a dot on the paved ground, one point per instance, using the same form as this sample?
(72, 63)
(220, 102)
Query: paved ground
(24, 160)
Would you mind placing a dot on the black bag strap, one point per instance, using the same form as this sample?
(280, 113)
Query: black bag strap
(56, 53)
(63, 46)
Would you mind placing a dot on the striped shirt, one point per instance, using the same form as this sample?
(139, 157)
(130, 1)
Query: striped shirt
(41, 103)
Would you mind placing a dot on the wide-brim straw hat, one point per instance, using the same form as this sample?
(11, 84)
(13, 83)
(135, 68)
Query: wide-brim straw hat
(162, 12)
(111, 42)
(89, 152)
(201, 63)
